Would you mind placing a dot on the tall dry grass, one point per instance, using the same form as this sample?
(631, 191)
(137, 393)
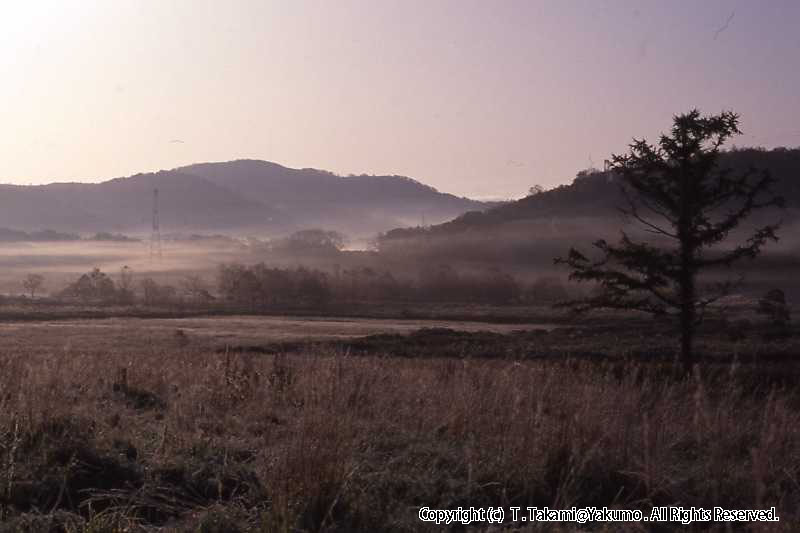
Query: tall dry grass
(183, 438)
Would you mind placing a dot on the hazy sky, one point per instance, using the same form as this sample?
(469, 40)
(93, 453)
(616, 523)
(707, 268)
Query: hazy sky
(477, 98)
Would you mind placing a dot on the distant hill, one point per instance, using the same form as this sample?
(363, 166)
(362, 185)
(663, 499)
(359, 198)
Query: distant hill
(352, 204)
(595, 194)
(237, 196)
(125, 205)
(541, 225)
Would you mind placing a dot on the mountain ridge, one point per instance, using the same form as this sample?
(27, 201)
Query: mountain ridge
(245, 195)
(542, 225)
(594, 193)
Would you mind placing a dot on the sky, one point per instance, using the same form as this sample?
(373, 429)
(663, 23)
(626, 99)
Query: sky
(478, 98)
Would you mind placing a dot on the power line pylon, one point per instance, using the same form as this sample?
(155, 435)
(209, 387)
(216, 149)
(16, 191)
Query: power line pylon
(155, 236)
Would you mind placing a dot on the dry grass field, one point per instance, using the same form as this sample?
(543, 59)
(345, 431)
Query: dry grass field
(110, 333)
(162, 425)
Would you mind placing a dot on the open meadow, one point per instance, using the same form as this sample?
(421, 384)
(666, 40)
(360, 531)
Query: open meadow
(283, 424)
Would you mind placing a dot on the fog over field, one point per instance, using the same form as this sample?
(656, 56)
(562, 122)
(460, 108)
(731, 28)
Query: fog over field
(62, 263)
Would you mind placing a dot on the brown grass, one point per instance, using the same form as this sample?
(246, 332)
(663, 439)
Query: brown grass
(177, 436)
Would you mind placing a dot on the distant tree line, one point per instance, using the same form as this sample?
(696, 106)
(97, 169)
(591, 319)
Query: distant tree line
(261, 287)
(99, 288)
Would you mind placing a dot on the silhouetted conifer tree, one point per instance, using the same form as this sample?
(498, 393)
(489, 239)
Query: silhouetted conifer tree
(676, 191)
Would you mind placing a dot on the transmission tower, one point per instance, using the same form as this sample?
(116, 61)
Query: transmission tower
(155, 236)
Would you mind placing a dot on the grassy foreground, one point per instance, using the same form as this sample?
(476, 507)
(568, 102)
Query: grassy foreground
(186, 437)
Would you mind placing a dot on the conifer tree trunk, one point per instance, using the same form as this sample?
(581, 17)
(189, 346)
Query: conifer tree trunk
(687, 320)
(686, 273)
